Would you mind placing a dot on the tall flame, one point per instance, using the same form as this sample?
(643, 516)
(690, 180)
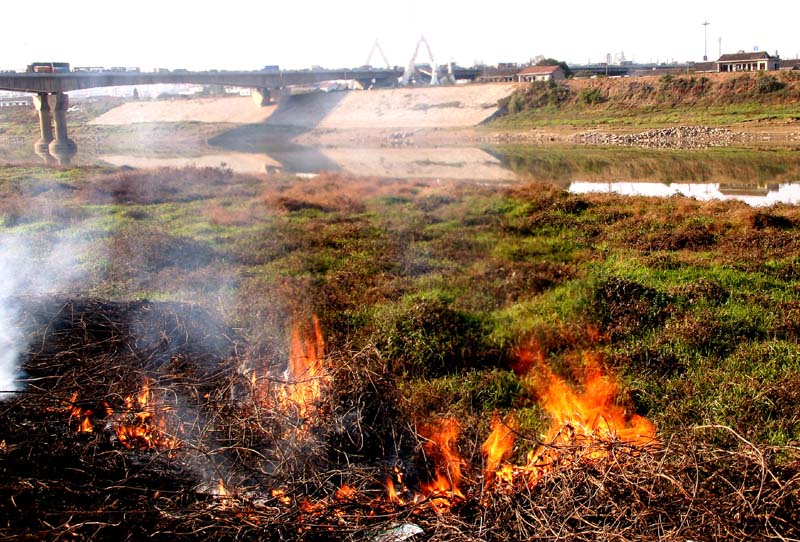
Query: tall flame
(498, 446)
(306, 368)
(441, 447)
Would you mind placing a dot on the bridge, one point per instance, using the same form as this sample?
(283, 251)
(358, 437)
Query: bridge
(51, 83)
(629, 68)
(52, 102)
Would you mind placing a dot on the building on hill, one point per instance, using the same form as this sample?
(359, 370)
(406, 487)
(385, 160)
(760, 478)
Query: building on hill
(705, 67)
(541, 73)
(502, 73)
(748, 62)
(791, 64)
(24, 101)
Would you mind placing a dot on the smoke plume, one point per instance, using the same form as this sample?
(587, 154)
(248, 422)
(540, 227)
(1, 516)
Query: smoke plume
(27, 267)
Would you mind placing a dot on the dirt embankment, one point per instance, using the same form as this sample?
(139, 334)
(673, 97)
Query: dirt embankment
(405, 108)
(420, 107)
(696, 89)
(233, 109)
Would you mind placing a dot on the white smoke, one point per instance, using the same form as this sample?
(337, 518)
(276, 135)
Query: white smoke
(27, 267)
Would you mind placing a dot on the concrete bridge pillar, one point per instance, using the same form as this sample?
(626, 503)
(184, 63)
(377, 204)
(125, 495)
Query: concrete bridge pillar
(42, 104)
(62, 147)
(261, 96)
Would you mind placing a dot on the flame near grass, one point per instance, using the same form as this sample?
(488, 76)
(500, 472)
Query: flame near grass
(582, 421)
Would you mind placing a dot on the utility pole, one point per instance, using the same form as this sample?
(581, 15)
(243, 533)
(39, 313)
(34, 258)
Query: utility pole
(705, 46)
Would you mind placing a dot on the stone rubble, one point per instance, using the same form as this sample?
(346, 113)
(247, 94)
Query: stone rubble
(685, 137)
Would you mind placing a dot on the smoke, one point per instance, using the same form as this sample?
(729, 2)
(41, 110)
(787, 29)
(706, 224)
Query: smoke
(27, 267)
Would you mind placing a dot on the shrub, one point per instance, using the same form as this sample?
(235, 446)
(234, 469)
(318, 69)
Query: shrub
(429, 338)
(624, 307)
(769, 83)
(534, 96)
(592, 96)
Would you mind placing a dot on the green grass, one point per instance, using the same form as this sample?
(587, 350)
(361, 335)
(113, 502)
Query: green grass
(447, 281)
(647, 116)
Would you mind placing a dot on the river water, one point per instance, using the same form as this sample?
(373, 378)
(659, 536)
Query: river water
(757, 176)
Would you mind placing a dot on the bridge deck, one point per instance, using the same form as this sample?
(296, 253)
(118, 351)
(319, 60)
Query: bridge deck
(65, 82)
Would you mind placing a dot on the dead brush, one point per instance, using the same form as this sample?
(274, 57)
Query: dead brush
(252, 465)
(222, 215)
(164, 185)
(688, 489)
(342, 193)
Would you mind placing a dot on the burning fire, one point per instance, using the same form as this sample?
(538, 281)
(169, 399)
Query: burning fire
(441, 447)
(141, 423)
(498, 446)
(582, 421)
(305, 373)
(306, 367)
(593, 413)
(84, 416)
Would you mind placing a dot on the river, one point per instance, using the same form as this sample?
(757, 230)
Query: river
(757, 176)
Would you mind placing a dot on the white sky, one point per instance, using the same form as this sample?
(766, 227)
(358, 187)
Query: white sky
(248, 34)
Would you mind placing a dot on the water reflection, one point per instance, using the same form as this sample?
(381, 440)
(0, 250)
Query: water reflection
(756, 176)
(239, 162)
(407, 163)
(753, 194)
(276, 143)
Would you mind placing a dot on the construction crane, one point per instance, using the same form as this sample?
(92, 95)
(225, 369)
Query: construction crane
(377, 46)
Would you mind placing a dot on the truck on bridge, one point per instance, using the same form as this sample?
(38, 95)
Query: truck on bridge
(48, 67)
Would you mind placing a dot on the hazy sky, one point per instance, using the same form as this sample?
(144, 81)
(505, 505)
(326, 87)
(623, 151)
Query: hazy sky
(248, 34)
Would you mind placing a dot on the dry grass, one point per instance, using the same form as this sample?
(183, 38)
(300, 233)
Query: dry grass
(708, 483)
(164, 185)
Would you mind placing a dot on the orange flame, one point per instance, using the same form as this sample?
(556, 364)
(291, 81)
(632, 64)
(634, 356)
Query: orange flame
(306, 369)
(392, 492)
(82, 415)
(593, 413)
(441, 446)
(144, 423)
(579, 419)
(498, 445)
(86, 425)
(304, 376)
(281, 495)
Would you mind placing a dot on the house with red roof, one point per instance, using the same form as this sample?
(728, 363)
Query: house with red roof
(541, 73)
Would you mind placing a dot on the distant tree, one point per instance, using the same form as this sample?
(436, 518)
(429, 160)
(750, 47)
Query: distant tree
(554, 62)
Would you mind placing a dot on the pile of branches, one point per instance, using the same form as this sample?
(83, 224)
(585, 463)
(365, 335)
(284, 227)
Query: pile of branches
(248, 470)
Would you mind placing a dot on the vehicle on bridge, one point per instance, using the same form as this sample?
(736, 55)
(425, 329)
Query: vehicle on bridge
(271, 68)
(48, 67)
